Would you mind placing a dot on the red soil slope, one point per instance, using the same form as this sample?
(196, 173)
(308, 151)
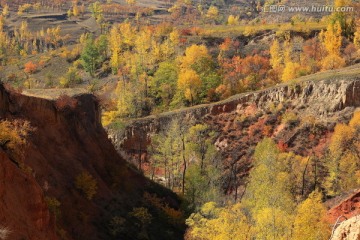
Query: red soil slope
(348, 208)
(68, 140)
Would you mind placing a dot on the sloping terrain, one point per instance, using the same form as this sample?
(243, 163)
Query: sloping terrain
(300, 116)
(69, 140)
(348, 207)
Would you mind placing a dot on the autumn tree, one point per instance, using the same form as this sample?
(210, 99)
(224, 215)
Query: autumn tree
(5, 11)
(198, 65)
(233, 20)
(24, 8)
(193, 54)
(332, 42)
(173, 153)
(357, 37)
(345, 20)
(302, 172)
(165, 152)
(128, 99)
(13, 137)
(276, 57)
(87, 184)
(293, 64)
(96, 11)
(255, 70)
(131, 2)
(189, 83)
(213, 14)
(313, 54)
(219, 223)
(90, 57)
(30, 67)
(310, 220)
(203, 178)
(141, 56)
(343, 162)
(164, 84)
(268, 195)
(291, 71)
(143, 219)
(75, 8)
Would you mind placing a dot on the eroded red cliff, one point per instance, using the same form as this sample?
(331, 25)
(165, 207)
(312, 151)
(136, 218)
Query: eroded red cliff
(23, 210)
(68, 139)
(300, 117)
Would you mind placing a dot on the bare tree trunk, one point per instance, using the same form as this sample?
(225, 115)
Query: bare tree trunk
(303, 177)
(184, 162)
(139, 156)
(315, 174)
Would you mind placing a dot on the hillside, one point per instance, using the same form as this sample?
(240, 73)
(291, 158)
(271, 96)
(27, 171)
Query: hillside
(300, 116)
(67, 140)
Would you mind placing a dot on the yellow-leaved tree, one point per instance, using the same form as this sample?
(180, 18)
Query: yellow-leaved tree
(189, 83)
(276, 58)
(291, 71)
(331, 39)
(213, 13)
(218, 223)
(357, 37)
(13, 137)
(268, 197)
(233, 20)
(310, 222)
(343, 163)
(193, 54)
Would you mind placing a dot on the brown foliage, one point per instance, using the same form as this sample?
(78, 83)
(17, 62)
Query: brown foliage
(66, 102)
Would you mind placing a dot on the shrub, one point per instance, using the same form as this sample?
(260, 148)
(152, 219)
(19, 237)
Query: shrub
(248, 31)
(71, 77)
(185, 32)
(142, 214)
(30, 68)
(53, 205)
(117, 225)
(66, 102)
(175, 216)
(70, 55)
(87, 184)
(13, 135)
(233, 20)
(289, 117)
(108, 117)
(64, 82)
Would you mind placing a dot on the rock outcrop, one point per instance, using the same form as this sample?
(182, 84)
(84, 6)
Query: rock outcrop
(243, 120)
(325, 100)
(68, 140)
(348, 207)
(348, 230)
(23, 211)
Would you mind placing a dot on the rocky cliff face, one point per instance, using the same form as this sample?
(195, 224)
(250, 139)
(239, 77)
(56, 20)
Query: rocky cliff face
(68, 140)
(348, 207)
(23, 210)
(243, 120)
(348, 230)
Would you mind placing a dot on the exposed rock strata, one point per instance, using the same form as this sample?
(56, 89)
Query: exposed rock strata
(348, 230)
